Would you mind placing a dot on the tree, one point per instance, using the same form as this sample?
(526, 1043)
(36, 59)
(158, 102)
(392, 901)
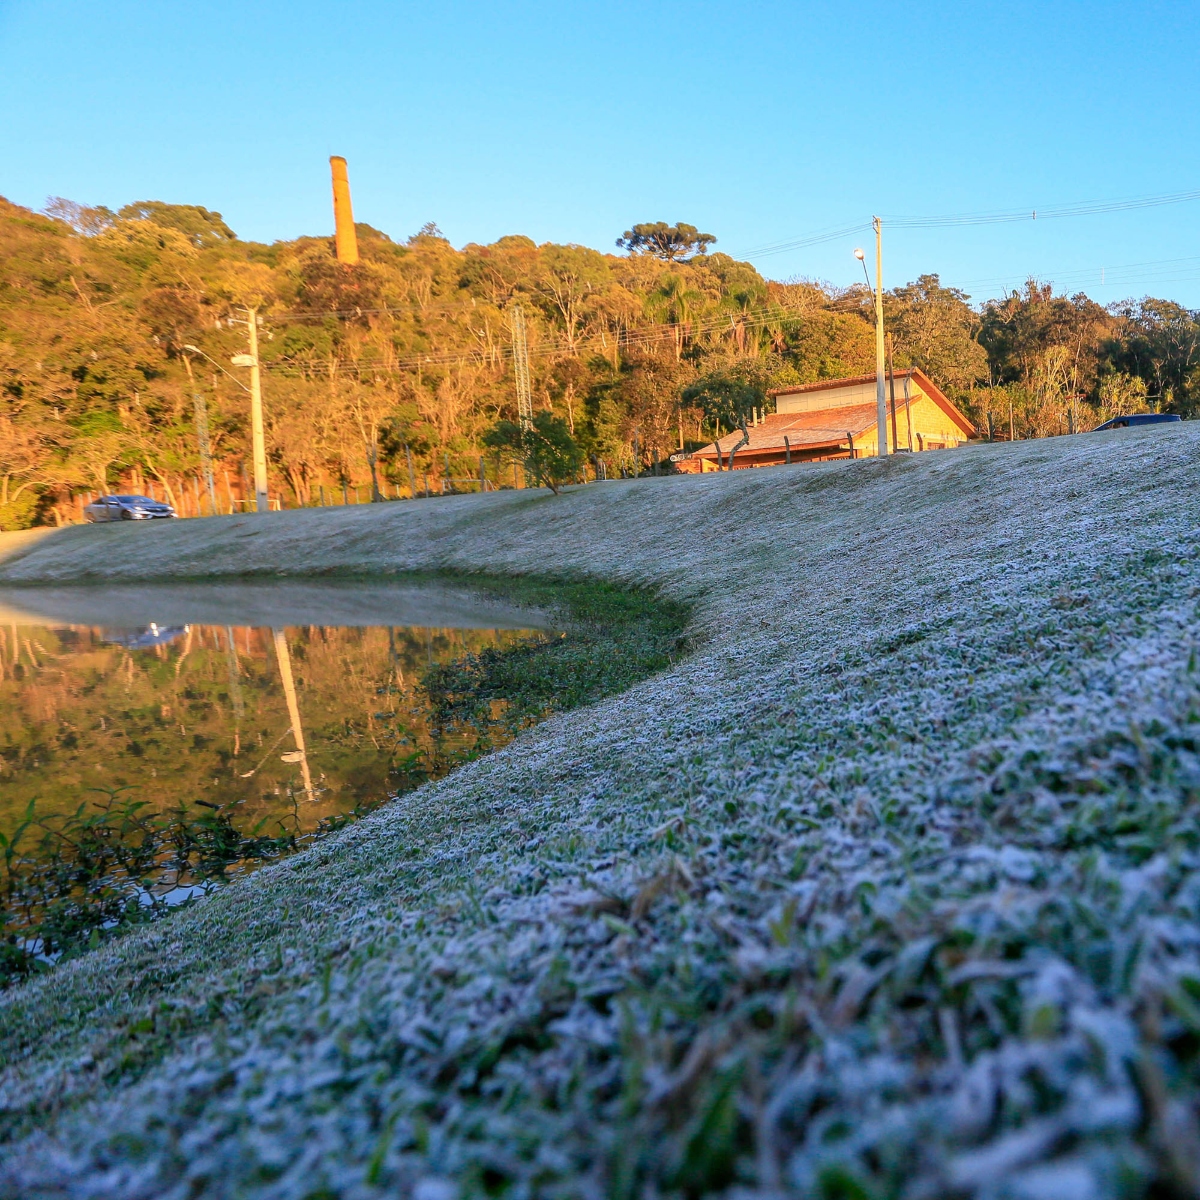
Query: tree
(668, 242)
(201, 227)
(23, 450)
(648, 388)
(1121, 394)
(675, 304)
(729, 397)
(84, 219)
(550, 454)
(100, 443)
(1018, 330)
(937, 330)
(1160, 342)
(566, 275)
(825, 345)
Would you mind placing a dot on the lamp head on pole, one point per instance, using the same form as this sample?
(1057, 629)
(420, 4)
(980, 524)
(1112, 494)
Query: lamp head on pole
(859, 254)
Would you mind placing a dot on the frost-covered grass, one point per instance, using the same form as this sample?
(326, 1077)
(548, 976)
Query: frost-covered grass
(890, 888)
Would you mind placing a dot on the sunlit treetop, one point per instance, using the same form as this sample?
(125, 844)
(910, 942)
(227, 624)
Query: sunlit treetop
(668, 242)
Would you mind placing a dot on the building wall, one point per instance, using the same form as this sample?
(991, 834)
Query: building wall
(932, 428)
(840, 397)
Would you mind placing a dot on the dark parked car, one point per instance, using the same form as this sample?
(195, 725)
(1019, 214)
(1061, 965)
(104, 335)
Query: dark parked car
(1137, 419)
(127, 508)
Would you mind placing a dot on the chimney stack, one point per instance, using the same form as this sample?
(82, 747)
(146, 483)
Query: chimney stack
(343, 215)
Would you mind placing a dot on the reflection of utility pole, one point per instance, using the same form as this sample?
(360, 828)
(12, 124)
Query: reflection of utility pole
(201, 411)
(289, 691)
(235, 689)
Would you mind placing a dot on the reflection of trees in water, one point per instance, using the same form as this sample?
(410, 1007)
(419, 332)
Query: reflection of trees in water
(131, 776)
(208, 717)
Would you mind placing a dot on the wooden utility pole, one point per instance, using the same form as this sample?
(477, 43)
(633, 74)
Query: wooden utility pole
(908, 411)
(880, 368)
(892, 390)
(258, 441)
(881, 439)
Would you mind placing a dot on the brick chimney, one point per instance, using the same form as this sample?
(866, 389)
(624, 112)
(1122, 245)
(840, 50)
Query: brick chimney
(343, 215)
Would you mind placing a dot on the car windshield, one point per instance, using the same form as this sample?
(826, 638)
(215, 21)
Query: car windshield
(135, 499)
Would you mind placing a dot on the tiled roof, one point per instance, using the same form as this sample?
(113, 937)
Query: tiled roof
(825, 385)
(826, 427)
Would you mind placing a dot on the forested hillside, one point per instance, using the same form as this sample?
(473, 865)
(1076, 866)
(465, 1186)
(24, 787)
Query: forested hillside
(406, 356)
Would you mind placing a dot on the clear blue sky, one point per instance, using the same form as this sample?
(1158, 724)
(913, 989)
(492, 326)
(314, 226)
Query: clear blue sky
(758, 122)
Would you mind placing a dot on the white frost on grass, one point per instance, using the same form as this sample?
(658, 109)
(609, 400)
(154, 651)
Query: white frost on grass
(890, 888)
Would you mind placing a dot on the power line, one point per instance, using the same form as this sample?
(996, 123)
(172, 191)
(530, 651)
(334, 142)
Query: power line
(1054, 212)
(1008, 216)
(1177, 269)
(812, 239)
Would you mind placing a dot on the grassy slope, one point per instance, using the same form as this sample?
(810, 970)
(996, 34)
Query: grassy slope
(895, 879)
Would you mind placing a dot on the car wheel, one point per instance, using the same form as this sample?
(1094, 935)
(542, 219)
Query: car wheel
(126, 515)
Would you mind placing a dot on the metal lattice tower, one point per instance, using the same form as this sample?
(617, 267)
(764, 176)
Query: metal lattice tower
(521, 369)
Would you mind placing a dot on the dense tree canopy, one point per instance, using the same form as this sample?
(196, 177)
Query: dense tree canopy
(668, 242)
(392, 372)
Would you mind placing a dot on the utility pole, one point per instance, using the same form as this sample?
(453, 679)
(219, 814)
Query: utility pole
(891, 359)
(258, 442)
(521, 369)
(908, 411)
(880, 365)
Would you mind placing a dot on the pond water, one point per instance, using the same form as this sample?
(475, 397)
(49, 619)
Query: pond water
(206, 727)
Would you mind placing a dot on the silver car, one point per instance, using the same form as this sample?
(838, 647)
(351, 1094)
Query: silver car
(127, 508)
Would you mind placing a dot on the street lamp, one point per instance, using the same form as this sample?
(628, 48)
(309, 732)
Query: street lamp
(880, 362)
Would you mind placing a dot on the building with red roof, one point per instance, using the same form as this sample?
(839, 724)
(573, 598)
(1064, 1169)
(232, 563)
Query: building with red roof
(837, 418)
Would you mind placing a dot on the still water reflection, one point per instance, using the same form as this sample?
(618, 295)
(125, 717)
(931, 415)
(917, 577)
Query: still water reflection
(292, 724)
(293, 702)
(153, 739)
